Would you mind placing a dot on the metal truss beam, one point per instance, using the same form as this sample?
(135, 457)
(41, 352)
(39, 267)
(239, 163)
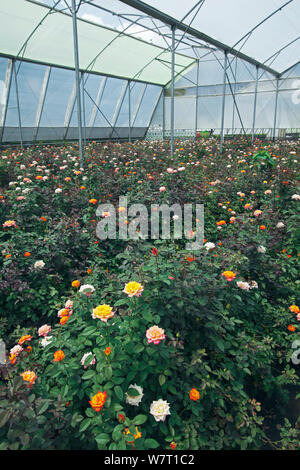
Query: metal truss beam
(69, 110)
(161, 95)
(138, 104)
(289, 68)
(119, 104)
(276, 54)
(98, 100)
(41, 101)
(163, 17)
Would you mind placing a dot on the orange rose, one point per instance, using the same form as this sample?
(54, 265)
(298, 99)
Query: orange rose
(29, 376)
(194, 394)
(229, 275)
(59, 356)
(24, 338)
(12, 358)
(64, 320)
(76, 283)
(98, 400)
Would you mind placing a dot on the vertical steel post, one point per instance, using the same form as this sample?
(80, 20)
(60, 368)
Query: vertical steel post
(196, 110)
(164, 115)
(276, 106)
(5, 97)
(255, 103)
(223, 103)
(83, 107)
(173, 28)
(129, 111)
(77, 78)
(233, 97)
(18, 103)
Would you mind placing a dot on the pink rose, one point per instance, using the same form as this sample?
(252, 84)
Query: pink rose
(155, 334)
(44, 330)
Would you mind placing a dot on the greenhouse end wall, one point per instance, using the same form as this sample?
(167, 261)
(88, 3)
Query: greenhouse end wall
(240, 104)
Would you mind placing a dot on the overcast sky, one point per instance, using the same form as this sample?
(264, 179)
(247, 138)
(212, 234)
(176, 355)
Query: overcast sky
(225, 20)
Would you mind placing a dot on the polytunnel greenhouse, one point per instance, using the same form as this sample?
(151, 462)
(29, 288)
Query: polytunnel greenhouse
(145, 73)
(149, 227)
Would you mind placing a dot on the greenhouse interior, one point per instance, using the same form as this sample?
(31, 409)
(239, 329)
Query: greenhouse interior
(149, 228)
(231, 88)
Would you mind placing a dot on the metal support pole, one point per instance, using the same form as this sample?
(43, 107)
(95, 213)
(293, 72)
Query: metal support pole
(254, 107)
(83, 107)
(129, 111)
(5, 96)
(77, 78)
(233, 96)
(164, 115)
(276, 106)
(173, 29)
(196, 110)
(223, 103)
(18, 103)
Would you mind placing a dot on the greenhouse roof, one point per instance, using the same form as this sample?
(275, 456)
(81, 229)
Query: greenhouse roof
(265, 31)
(32, 31)
(41, 32)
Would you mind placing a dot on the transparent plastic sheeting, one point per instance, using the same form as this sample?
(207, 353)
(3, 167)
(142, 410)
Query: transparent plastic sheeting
(101, 50)
(239, 102)
(48, 111)
(230, 20)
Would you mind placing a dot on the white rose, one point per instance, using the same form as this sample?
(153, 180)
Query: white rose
(45, 341)
(243, 285)
(209, 246)
(160, 409)
(87, 289)
(39, 264)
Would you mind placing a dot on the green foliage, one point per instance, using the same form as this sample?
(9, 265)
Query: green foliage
(263, 158)
(229, 342)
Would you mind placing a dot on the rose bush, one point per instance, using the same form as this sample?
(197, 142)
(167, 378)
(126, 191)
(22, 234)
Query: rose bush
(141, 344)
